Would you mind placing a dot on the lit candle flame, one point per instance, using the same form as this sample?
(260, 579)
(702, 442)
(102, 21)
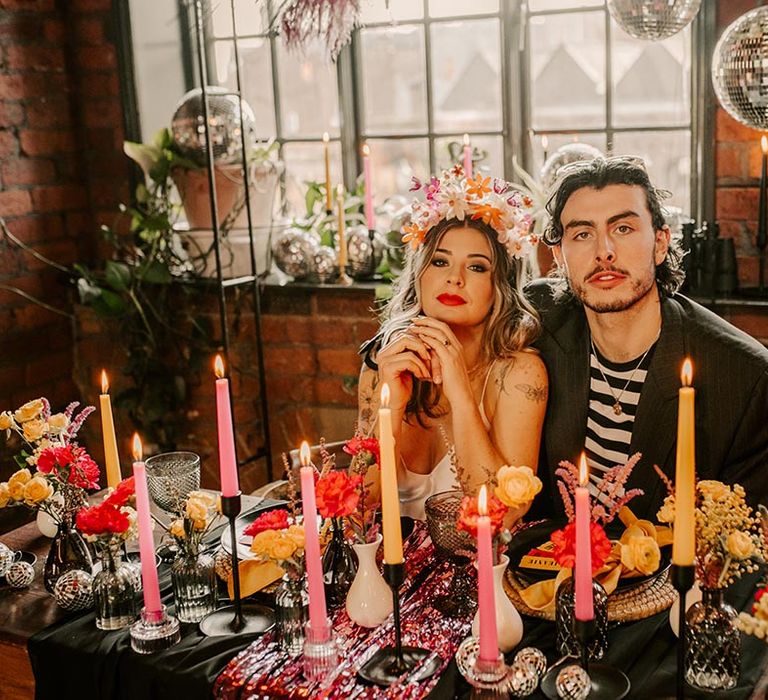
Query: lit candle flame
(466, 139)
(218, 366)
(482, 501)
(367, 150)
(764, 144)
(583, 471)
(104, 382)
(304, 454)
(544, 142)
(385, 395)
(686, 375)
(326, 137)
(138, 453)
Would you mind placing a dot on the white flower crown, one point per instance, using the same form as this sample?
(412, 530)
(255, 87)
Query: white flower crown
(493, 201)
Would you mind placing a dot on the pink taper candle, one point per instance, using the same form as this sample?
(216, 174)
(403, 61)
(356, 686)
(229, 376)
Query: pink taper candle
(149, 581)
(369, 220)
(467, 157)
(583, 590)
(227, 457)
(317, 613)
(486, 600)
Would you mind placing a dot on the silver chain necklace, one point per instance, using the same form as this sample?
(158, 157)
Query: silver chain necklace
(617, 399)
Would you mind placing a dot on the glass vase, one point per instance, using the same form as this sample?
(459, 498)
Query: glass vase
(68, 552)
(567, 643)
(291, 613)
(339, 566)
(114, 591)
(193, 577)
(713, 654)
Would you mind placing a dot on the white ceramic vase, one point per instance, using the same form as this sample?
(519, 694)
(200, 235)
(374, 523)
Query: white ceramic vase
(509, 624)
(693, 595)
(369, 600)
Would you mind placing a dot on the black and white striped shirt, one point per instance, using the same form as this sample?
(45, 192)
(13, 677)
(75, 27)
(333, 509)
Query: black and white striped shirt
(608, 434)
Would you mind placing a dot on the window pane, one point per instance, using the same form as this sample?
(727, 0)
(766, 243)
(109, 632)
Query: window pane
(394, 162)
(309, 96)
(466, 80)
(455, 8)
(667, 157)
(568, 70)
(492, 164)
(398, 11)
(394, 79)
(256, 74)
(549, 5)
(651, 79)
(251, 17)
(555, 141)
(304, 162)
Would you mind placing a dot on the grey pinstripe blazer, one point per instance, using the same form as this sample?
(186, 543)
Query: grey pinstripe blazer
(731, 382)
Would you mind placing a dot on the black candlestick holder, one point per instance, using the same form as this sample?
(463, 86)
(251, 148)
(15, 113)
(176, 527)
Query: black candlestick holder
(236, 618)
(683, 577)
(372, 259)
(389, 664)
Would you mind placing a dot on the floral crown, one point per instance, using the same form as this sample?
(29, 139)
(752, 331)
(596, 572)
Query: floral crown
(493, 201)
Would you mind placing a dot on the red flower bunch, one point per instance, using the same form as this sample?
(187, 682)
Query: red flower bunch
(360, 444)
(123, 492)
(271, 520)
(103, 519)
(468, 515)
(564, 540)
(71, 464)
(338, 494)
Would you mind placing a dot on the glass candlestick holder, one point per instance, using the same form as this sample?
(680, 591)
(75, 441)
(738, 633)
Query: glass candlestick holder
(489, 679)
(321, 652)
(154, 631)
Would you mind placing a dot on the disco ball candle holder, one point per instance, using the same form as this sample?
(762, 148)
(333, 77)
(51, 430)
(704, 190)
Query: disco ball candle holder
(653, 20)
(740, 69)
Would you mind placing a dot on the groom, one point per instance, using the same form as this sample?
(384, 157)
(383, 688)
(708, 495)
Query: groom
(615, 334)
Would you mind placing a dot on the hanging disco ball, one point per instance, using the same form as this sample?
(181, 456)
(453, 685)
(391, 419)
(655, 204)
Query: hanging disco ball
(653, 19)
(188, 126)
(740, 69)
(569, 153)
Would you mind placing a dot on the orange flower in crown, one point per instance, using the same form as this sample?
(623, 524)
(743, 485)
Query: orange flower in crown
(453, 196)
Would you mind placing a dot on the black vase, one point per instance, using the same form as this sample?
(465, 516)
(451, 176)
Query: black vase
(339, 566)
(68, 552)
(567, 643)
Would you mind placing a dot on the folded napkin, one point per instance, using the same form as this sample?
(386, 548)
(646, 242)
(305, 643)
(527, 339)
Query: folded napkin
(254, 575)
(636, 553)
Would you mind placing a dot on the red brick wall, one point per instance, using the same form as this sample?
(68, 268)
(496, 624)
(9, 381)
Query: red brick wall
(61, 174)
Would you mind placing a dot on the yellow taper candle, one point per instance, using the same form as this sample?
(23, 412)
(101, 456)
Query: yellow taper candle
(342, 232)
(684, 543)
(390, 503)
(108, 431)
(327, 156)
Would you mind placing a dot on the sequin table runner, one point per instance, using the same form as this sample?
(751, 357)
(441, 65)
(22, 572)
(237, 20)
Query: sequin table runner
(263, 670)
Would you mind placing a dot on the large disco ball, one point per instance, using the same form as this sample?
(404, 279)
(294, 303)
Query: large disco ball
(188, 126)
(569, 153)
(294, 252)
(740, 69)
(653, 19)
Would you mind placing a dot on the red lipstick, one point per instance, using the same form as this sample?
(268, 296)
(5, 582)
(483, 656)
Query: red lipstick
(451, 299)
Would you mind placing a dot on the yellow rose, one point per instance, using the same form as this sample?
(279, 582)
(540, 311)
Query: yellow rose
(196, 509)
(6, 422)
(37, 490)
(739, 545)
(30, 410)
(716, 490)
(58, 422)
(22, 476)
(517, 485)
(641, 554)
(283, 548)
(199, 524)
(262, 543)
(666, 513)
(296, 534)
(4, 495)
(206, 497)
(16, 490)
(34, 429)
(177, 528)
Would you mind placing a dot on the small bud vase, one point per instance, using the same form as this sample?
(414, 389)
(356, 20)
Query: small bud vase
(114, 592)
(509, 624)
(193, 576)
(369, 600)
(339, 566)
(291, 612)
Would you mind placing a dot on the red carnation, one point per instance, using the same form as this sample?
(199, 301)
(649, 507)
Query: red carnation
(52, 459)
(70, 463)
(564, 540)
(360, 444)
(271, 520)
(337, 494)
(84, 472)
(102, 519)
(468, 515)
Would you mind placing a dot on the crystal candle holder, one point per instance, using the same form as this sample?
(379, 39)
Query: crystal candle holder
(154, 631)
(321, 652)
(492, 677)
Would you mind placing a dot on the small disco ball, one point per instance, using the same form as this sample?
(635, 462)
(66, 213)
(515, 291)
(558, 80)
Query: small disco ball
(326, 264)
(740, 69)
(20, 575)
(188, 126)
(522, 678)
(74, 590)
(568, 153)
(572, 683)
(294, 252)
(222, 562)
(7, 557)
(359, 251)
(533, 657)
(653, 19)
